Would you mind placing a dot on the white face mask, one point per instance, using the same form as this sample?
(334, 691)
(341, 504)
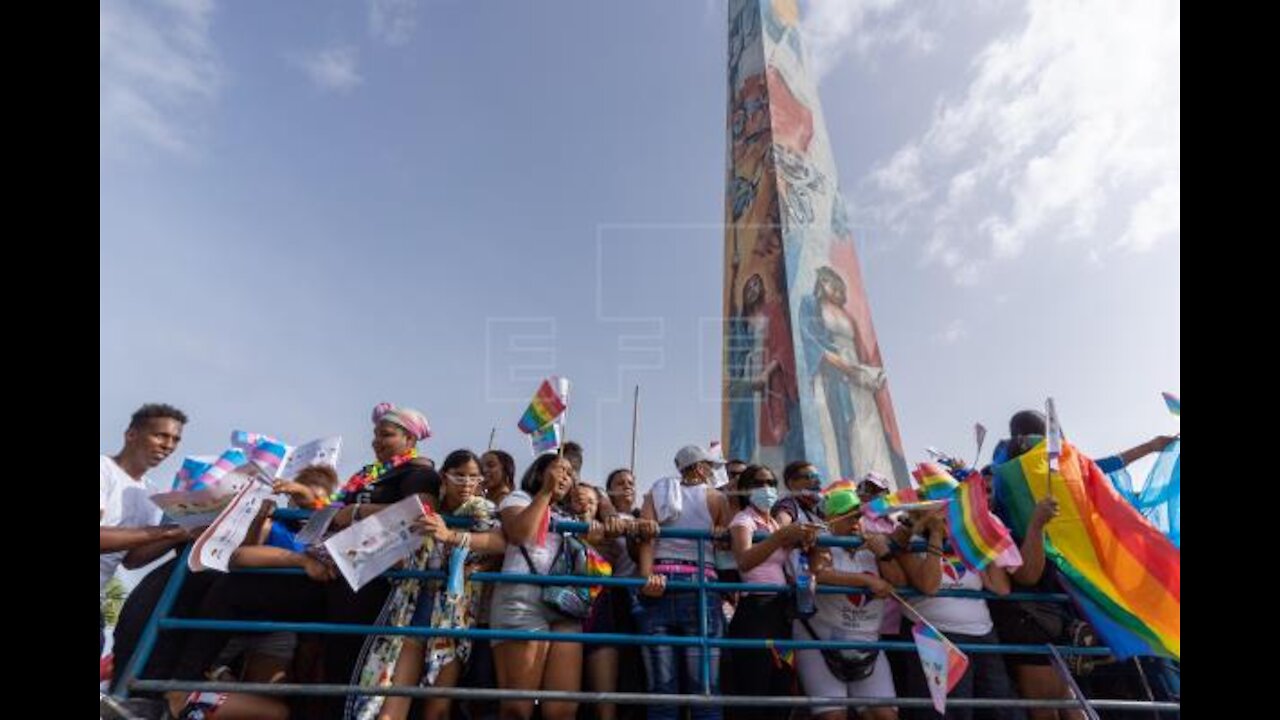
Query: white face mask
(719, 477)
(763, 498)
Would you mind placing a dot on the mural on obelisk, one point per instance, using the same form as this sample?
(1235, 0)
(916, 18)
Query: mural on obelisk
(803, 376)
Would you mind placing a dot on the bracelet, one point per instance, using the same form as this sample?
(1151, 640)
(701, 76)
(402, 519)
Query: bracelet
(933, 550)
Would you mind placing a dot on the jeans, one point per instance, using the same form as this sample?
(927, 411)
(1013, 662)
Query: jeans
(676, 613)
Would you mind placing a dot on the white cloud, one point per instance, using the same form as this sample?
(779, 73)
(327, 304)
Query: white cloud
(835, 28)
(1069, 130)
(158, 72)
(393, 21)
(952, 334)
(1158, 216)
(332, 68)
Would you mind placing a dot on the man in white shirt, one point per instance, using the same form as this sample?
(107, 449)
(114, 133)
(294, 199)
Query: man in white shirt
(129, 529)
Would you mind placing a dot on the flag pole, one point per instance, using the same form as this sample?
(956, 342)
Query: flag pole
(564, 420)
(635, 422)
(981, 432)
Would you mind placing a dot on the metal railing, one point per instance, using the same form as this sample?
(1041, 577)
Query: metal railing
(161, 621)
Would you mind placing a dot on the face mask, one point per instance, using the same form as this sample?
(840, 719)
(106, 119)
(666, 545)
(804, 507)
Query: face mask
(763, 498)
(719, 477)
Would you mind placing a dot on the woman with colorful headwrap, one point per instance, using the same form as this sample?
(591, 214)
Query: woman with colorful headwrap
(858, 617)
(398, 472)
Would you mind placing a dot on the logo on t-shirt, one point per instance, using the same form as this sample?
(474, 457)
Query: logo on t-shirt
(859, 599)
(953, 569)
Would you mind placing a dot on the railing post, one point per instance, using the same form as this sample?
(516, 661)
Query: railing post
(1061, 666)
(148, 640)
(702, 617)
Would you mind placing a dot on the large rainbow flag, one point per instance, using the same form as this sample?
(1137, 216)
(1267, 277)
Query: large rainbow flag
(1123, 572)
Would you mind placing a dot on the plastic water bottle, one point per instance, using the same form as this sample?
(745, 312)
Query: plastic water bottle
(806, 592)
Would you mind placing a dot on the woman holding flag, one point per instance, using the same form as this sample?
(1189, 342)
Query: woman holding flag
(960, 619)
(532, 549)
(436, 661)
(872, 567)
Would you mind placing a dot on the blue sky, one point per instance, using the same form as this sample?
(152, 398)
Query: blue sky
(308, 208)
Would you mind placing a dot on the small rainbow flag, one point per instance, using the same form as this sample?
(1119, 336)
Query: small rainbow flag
(1173, 403)
(783, 660)
(942, 661)
(977, 536)
(597, 566)
(904, 499)
(547, 405)
(839, 485)
(935, 482)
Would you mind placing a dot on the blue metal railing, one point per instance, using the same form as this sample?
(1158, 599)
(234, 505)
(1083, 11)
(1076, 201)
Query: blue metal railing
(161, 621)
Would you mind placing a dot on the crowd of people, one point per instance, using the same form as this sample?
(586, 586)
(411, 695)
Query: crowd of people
(768, 528)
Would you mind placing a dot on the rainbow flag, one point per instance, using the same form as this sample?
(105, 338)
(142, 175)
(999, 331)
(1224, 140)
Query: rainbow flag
(1172, 402)
(784, 660)
(597, 566)
(977, 536)
(546, 406)
(1126, 574)
(942, 661)
(899, 500)
(935, 482)
(839, 485)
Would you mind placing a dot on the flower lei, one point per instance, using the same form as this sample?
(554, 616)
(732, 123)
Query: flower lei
(370, 474)
(477, 508)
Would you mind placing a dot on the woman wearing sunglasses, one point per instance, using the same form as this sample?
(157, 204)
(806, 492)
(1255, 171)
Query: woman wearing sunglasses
(436, 661)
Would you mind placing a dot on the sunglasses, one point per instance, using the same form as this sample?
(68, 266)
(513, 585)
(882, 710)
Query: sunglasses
(464, 479)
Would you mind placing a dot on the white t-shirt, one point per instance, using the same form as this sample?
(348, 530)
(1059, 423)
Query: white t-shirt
(124, 502)
(967, 616)
(847, 617)
(513, 561)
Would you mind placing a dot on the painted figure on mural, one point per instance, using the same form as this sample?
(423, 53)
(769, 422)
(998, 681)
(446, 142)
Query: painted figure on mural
(762, 387)
(844, 384)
